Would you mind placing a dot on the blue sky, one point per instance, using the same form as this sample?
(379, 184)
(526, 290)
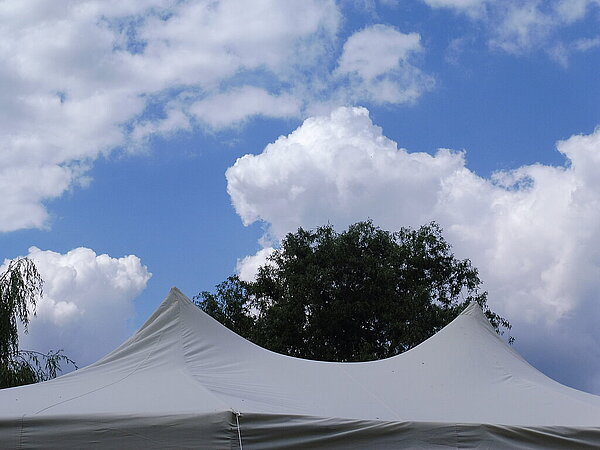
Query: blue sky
(122, 124)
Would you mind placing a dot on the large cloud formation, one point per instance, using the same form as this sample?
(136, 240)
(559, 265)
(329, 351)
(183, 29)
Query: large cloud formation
(80, 79)
(530, 231)
(87, 302)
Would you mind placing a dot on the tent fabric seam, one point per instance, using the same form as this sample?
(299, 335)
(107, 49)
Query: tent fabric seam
(21, 431)
(136, 368)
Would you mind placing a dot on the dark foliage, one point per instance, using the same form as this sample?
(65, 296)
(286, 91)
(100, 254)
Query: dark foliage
(359, 295)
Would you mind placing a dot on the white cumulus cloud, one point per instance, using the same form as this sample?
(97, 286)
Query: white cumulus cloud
(87, 302)
(331, 168)
(530, 231)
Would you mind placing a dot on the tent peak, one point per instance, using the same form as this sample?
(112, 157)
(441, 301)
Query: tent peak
(175, 290)
(475, 312)
(176, 295)
(472, 309)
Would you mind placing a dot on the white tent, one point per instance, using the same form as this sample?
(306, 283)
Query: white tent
(185, 381)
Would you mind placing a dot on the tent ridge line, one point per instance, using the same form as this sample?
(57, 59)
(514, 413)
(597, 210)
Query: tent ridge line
(182, 299)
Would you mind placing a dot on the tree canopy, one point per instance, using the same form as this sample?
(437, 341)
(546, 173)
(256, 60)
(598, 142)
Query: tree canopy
(20, 287)
(359, 295)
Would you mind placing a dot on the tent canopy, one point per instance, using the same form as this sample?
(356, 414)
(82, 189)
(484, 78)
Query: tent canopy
(184, 380)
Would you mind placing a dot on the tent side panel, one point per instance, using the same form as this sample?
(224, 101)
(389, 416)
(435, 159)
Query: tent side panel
(216, 430)
(10, 433)
(542, 437)
(261, 431)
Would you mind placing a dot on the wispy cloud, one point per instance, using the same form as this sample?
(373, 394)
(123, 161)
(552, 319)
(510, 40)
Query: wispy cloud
(378, 64)
(82, 79)
(521, 26)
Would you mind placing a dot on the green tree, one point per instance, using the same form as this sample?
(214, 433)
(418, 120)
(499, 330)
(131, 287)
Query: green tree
(359, 295)
(20, 287)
